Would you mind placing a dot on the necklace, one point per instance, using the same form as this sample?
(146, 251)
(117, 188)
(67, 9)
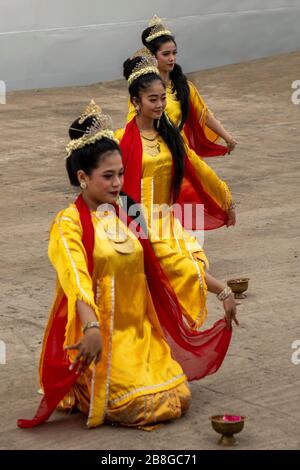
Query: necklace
(117, 237)
(148, 138)
(120, 240)
(171, 91)
(152, 138)
(151, 146)
(170, 86)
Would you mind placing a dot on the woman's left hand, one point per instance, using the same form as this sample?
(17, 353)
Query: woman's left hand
(229, 305)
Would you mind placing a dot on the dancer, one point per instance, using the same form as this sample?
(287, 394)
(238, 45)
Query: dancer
(116, 346)
(161, 170)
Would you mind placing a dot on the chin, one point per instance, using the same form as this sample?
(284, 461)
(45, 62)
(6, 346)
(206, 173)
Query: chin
(112, 199)
(108, 200)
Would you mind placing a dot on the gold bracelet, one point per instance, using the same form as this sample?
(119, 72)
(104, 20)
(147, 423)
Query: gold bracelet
(224, 294)
(90, 324)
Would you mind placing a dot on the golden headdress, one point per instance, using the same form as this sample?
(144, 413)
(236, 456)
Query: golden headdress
(92, 108)
(157, 29)
(147, 64)
(100, 127)
(144, 52)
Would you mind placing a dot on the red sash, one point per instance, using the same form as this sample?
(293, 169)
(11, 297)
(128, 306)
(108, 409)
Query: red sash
(197, 138)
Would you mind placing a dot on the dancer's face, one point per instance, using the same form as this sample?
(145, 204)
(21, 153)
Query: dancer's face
(166, 56)
(105, 182)
(152, 101)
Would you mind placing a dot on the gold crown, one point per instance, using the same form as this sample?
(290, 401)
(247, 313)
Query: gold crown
(157, 29)
(146, 64)
(100, 127)
(144, 52)
(92, 108)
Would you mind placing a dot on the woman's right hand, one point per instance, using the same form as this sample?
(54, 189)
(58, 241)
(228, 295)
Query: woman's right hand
(89, 349)
(229, 305)
(231, 144)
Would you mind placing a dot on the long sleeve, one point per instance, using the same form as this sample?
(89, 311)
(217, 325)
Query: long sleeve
(202, 110)
(68, 256)
(212, 184)
(186, 277)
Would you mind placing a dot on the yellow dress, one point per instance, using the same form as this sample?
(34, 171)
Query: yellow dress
(137, 381)
(156, 190)
(173, 110)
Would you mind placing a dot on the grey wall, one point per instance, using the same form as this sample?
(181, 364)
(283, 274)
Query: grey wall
(71, 42)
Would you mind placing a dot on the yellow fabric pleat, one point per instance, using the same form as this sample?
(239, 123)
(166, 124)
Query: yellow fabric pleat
(147, 411)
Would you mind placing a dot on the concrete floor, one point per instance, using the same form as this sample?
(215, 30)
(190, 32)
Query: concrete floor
(258, 379)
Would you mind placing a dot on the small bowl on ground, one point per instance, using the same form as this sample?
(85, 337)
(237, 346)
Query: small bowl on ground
(227, 426)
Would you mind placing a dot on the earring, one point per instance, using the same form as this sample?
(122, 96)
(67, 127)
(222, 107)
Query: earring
(119, 201)
(83, 185)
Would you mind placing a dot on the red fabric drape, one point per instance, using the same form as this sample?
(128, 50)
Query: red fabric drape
(192, 191)
(132, 153)
(197, 138)
(199, 353)
(57, 379)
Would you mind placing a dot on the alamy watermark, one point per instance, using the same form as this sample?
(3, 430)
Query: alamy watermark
(165, 221)
(295, 358)
(296, 94)
(2, 92)
(2, 352)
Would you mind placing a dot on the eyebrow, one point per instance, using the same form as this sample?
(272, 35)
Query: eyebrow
(156, 95)
(112, 171)
(169, 50)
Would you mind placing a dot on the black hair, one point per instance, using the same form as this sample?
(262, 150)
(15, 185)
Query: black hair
(177, 76)
(88, 157)
(170, 134)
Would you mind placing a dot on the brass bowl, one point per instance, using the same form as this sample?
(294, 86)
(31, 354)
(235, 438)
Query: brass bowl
(239, 286)
(227, 429)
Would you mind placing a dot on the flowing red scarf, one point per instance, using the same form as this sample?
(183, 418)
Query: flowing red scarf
(192, 192)
(197, 138)
(199, 353)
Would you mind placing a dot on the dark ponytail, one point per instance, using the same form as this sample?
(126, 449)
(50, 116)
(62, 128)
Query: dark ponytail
(177, 76)
(174, 141)
(183, 92)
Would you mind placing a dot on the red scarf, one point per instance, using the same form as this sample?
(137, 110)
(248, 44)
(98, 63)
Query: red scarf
(199, 353)
(192, 191)
(197, 138)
